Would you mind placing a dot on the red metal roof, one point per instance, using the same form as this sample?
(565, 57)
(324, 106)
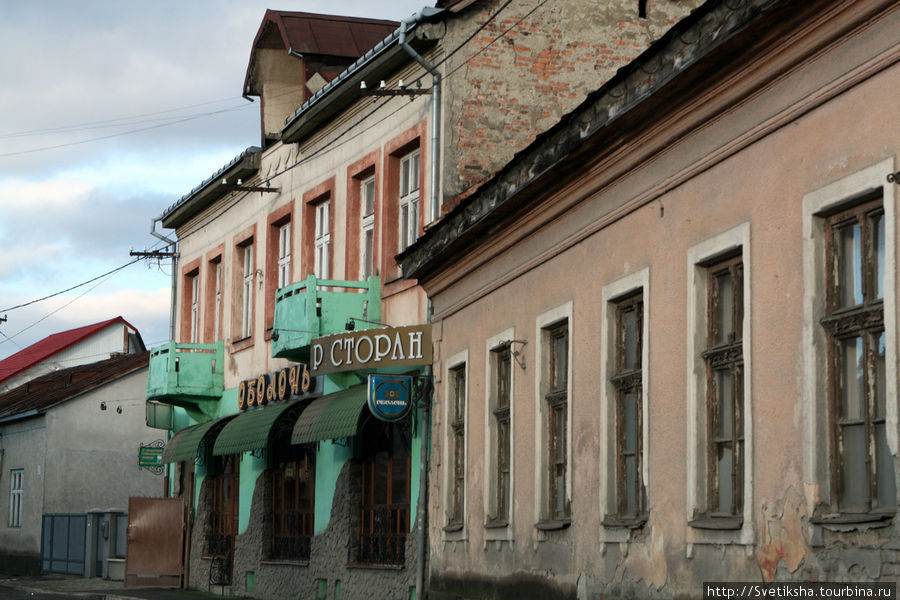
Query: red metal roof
(52, 344)
(46, 391)
(322, 35)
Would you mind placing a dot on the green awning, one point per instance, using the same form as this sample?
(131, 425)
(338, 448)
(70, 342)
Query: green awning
(332, 416)
(185, 445)
(250, 430)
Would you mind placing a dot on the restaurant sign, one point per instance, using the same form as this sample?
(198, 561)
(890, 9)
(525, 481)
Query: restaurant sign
(372, 349)
(279, 385)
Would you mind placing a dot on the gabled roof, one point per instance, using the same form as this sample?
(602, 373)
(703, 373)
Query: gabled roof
(302, 33)
(42, 393)
(52, 344)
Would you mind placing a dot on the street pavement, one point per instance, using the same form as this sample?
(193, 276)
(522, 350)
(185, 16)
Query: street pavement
(62, 587)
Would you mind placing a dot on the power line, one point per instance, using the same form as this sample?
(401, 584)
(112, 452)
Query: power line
(121, 133)
(71, 288)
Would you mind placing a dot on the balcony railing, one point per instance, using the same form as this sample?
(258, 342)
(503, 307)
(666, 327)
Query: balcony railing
(316, 307)
(187, 375)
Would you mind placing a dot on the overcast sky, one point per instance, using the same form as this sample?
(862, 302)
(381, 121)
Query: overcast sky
(110, 111)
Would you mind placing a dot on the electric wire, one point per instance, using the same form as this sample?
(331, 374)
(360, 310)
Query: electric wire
(84, 283)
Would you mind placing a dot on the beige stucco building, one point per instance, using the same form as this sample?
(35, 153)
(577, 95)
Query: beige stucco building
(666, 345)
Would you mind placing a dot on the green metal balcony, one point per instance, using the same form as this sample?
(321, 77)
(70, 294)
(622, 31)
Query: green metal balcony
(188, 375)
(316, 307)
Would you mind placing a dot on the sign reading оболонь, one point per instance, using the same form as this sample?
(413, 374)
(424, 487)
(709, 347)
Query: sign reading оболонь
(371, 349)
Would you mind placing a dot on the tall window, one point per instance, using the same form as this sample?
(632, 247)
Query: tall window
(627, 381)
(195, 308)
(223, 527)
(409, 199)
(16, 486)
(293, 502)
(556, 399)
(247, 291)
(367, 234)
(322, 240)
(284, 254)
(384, 494)
(725, 389)
(217, 300)
(457, 400)
(863, 471)
(500, 414)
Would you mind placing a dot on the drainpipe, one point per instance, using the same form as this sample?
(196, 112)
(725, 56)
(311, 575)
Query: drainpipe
(422, 503)
(174, 245)
(435, 109)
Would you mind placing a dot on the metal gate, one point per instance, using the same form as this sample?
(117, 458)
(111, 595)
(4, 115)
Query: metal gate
(155, 536)
(62, 544)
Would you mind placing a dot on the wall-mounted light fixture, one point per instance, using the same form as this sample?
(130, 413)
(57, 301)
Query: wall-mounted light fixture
(517, 355)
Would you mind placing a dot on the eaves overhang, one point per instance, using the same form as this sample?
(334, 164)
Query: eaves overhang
(243, 166)
(378, 63)
(636, 95)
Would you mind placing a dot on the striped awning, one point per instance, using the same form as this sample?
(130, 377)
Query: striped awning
(333, 416)
(187, 443)
(250, 430)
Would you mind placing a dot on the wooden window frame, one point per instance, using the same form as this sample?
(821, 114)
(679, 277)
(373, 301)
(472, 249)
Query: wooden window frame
(556, 399)
(213, 302)
(627, 379)
(456, 497)
(384, 526)
(408, 204)
(501, 417)
(312, 199)
(863, 319)
(724, 354)
(224, 488)
(190, 310)
(293, 510)
(279, 267)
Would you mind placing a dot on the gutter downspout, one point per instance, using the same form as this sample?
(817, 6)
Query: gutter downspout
(435, 112)
(422, 509)
(174, 245)
(422, 502)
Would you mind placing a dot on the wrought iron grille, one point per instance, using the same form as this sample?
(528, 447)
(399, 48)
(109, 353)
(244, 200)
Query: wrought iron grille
(383, 534)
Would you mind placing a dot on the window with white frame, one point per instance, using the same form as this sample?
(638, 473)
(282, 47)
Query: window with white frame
(322, 240)
(284, 254)
(195, 308)
(456, 398)
(719, 394)
(367, 232)
(217, 299)
(623, 405)
(247, 291)
(16, 487)
(409, 199)
(850, 382)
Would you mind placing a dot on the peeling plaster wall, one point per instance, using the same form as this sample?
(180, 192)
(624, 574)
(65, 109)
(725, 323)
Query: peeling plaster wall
(747, 163)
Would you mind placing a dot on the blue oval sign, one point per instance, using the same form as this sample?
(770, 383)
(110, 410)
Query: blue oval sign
(390, 396)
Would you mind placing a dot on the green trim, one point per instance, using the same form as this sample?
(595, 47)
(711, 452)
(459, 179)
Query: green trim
(249, 430)
(330, 417)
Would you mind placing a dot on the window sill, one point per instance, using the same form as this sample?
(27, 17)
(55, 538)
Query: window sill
(241, 344)
(852, 518)
(496, 524)
(553, 524)
(376, 566)
(456, 527)
(615, 521)
(275, 562)
(717, 523)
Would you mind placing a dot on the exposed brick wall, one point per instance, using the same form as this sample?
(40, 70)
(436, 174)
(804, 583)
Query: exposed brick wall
(554, 53)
